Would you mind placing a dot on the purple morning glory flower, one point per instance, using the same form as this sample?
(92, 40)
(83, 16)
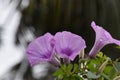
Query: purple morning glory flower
(68, 45)
(102, 38)
(41, 49)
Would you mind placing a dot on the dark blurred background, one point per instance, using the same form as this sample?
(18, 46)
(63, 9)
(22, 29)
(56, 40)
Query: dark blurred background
(41, 16)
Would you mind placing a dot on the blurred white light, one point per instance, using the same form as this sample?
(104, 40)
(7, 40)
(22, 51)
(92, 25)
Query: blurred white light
(24, 3)
(40, 70)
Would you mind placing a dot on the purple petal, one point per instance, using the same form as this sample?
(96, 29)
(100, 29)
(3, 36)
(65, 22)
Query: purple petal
(102, 38)
(40, 50)
(68, 45)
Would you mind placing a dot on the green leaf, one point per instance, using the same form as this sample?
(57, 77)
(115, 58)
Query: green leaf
(112, 73)
(101, 57)
(92, 75)
(58, 72)
(70, 67)
(63, 66)
(100, 54)
(117, 66)
(75, 78)
(75, 67)
(108, 69)
(92, 65)
(102, 67)
(105, 76)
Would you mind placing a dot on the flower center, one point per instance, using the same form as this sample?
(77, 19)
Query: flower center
(67, 51)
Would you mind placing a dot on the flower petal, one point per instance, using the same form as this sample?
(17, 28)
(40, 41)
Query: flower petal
(103, 38)
(68, 45)
(40, 50)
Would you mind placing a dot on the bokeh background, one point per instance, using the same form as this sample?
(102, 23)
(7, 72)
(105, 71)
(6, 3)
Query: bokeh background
(21, 21)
